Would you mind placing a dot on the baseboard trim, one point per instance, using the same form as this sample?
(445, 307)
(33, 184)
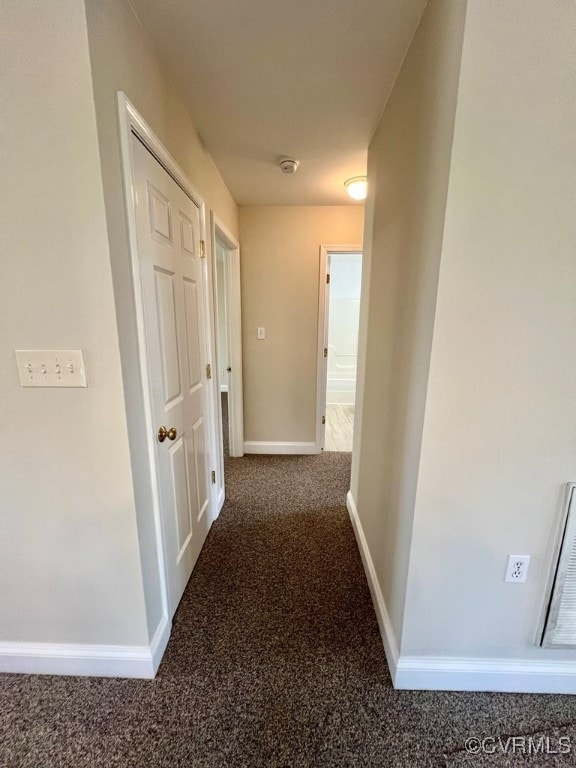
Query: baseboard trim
(279, 448)
(219, 504)
(494, 675)
(384, 623)
(445, 673)
(159, 643)
(86, 660)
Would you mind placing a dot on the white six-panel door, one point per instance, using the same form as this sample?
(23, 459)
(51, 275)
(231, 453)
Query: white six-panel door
(172, 279)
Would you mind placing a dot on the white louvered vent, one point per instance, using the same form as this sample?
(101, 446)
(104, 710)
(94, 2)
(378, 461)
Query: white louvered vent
(560, 629)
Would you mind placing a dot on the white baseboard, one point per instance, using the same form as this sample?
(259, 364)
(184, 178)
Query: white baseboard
(445, 673)
(386, 630)
(159, 643)
(497, 675)
(86, 660)
(219, 504)
(280, 448)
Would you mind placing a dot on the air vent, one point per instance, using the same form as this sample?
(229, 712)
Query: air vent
(560, 628)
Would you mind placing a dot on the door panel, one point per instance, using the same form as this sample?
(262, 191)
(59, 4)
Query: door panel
(181, 497)
(192, 334)
(199, 462)
(159, 215)
(173, 287)
(166, 312)
(187, 234)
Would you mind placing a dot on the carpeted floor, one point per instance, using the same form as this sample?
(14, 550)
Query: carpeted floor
(275, 659)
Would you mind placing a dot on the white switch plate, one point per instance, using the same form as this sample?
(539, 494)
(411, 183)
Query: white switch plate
(51, 367)
(261, 333)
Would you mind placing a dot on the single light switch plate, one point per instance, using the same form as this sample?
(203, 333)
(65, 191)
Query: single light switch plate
(51, 367)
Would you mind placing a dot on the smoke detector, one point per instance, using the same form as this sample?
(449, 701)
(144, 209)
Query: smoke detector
(288, 164)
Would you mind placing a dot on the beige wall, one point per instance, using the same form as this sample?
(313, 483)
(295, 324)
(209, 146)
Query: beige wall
(123, 59)
(408, 169)
(69, 559)
(500, 430)
(78, 555)
(465, 461)
(280, 271)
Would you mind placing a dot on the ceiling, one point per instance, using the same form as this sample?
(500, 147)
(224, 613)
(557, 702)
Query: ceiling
(270, 78)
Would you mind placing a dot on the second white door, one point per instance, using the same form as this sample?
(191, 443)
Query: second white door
(172, 277)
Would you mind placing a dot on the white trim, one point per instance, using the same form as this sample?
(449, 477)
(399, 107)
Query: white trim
(322, 344)
(384, 623)
(87, 660)
(322, 341)
(159, 642)
(440, 673)
(233, 333)
(498, 675)
(279, 448)
(220, 501)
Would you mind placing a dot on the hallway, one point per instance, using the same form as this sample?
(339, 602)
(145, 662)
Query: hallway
(275, 660)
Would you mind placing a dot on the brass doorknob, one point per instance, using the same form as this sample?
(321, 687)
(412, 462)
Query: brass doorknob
(164, 433)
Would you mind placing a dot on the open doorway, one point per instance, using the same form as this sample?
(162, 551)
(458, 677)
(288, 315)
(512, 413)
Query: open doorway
(228, 376)
(224, 367)
(340, 286)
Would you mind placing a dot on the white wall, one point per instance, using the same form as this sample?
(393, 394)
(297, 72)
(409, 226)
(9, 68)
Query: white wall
(69, 557)
(500, 429)
(123, 59)
(408, 169)
(280, 272)
(470, 257)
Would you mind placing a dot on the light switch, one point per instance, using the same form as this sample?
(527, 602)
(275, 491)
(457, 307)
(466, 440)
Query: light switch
(261, 333)
(51, 367)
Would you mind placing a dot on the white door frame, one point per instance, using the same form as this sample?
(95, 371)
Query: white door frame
(234, 334)
(131, 122)
(323, 322)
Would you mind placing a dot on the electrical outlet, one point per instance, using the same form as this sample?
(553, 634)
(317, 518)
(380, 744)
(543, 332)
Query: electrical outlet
(517, 570)
(261, 333)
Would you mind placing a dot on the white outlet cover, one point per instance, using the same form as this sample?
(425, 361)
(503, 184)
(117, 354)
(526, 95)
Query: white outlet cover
(517, 569)
(51, 367)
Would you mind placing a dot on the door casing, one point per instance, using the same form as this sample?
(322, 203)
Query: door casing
(323, 318)
(234, 333)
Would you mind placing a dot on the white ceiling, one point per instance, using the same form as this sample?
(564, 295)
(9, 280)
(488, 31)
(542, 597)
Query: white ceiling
(267, 78)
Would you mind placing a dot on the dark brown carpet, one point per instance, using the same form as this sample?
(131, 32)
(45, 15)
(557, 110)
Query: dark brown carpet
(275, 659)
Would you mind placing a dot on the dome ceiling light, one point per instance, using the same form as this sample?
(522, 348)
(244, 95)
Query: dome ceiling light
(357, 187)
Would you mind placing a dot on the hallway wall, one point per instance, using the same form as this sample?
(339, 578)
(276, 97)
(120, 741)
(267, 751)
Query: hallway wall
(408, 170)
(280, 273)
(69, 557)
(122, 58)
(470, 339)
(499, 439)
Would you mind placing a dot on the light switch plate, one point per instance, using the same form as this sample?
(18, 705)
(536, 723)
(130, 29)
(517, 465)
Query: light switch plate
(51, 367)
(261, 333)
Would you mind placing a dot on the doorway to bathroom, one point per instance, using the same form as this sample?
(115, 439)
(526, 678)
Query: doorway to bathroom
(339, 314)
